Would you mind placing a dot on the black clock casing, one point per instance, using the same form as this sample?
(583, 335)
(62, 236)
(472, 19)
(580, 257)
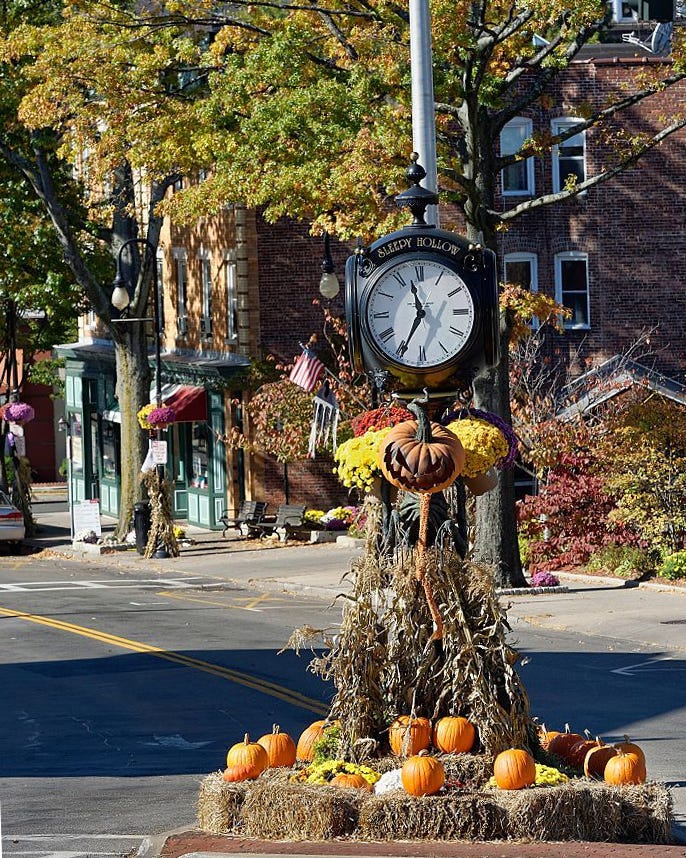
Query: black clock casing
(422, 304)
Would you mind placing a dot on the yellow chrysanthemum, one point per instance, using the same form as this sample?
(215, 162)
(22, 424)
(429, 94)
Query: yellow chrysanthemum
(357, 459)
(484, 444)
(142, 415)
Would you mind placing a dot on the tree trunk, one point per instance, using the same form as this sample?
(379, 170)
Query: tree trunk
(133, 388)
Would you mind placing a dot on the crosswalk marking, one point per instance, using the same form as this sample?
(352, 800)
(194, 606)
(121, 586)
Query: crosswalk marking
(47, 586)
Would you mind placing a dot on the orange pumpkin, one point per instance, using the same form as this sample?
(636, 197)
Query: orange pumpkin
(597, 758)
(232, 774)
(305, 748)
(351, 781)
(562, 744)
(422, 774)
(624, 769)
(250, 754)
(421, 456)
(453, 735)
(629, 747)
(280, 748)
(514, 769)
(577, 753)
(546, 736)
(408, 736)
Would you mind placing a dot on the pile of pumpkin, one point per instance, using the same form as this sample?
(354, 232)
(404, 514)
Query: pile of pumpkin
(423, 774)
(620, 764)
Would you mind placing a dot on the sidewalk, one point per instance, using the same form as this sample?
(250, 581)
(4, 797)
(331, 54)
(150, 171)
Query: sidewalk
(645, 616)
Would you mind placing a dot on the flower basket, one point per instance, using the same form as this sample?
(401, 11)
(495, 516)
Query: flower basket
(18, 412)
(153, 417)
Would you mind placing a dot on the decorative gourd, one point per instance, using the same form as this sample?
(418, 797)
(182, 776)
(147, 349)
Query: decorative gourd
(351, 781)
(420, 456)
(597, 758)
(233, 774)
(422, 774)
(624, 769)
(514, 769)
(408, 736)
(453, 735)
(305, 748)
(279, 746)
(250, 754)
(561, 745)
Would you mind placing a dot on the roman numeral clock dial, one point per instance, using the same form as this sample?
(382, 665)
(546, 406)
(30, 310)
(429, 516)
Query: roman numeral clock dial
(419, 313)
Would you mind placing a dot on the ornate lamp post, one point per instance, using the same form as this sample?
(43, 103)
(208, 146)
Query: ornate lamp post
(121, 299)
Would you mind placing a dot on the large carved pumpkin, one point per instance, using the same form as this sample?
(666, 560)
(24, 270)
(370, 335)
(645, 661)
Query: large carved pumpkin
(421, 456)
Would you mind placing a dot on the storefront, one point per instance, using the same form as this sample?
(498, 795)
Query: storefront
(196, 386)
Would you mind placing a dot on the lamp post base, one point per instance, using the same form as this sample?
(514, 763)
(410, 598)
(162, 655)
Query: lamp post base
(161, 553)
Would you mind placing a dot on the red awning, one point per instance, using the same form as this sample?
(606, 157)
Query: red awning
(190, 403)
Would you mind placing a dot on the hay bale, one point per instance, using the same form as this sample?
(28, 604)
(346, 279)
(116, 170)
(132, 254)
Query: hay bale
(455, 816)
(565, 812)
(283, 811)
(471, 769)
(219, 803)
(647, 813)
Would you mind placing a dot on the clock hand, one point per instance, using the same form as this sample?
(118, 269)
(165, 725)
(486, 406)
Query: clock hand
(417, 302)
(421, 312)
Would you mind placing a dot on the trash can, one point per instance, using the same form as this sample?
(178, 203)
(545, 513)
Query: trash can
(141, 524)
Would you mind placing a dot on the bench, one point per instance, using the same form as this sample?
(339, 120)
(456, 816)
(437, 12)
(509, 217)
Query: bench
(289, 519)
(250, 514)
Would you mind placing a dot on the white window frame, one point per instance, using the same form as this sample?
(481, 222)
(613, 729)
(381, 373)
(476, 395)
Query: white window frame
(181, 287)
(573, 256)
(231, 281)
(526, 126)
(532, 259)
(557, 125)
(206, 287)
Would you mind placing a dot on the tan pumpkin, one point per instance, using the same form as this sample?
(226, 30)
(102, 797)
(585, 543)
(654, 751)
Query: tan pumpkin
(421, 456)
(422, 774)
(597, 758)
(351, 781)
(304, 750)
(624, 769)
(514, 769)
(408, 736)
(280, 748)
(233, 774)
(250, 754)
(453, 735)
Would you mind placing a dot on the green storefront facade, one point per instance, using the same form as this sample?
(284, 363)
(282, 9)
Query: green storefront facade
(196, 384)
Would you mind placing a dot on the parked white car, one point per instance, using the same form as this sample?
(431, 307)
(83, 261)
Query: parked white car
(11, 521)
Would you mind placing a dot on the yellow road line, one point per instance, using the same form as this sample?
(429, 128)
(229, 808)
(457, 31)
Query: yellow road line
(262, 685)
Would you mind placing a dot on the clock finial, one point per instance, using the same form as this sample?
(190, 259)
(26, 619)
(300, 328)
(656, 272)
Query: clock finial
(416, 198)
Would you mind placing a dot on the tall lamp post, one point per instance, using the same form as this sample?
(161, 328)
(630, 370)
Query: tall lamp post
(121, 299)
(64, 425)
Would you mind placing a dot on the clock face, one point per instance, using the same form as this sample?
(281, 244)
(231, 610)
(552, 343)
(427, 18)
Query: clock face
(419, 313)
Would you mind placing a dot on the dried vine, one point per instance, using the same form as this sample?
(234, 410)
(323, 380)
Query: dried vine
(161, 519)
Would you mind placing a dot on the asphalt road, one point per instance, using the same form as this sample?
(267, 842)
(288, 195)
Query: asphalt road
(123, 691)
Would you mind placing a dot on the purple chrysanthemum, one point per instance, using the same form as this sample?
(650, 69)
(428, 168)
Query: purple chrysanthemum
(19, 412)
(161, 416)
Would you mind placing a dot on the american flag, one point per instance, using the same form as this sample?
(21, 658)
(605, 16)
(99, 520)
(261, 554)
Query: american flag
(307, 370)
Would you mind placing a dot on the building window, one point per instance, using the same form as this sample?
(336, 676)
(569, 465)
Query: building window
(569, 156)
(522, 270)
(181, 278)
(518, 178)
(571, 287)
(231, 297)
(206, 278)
(631, 11)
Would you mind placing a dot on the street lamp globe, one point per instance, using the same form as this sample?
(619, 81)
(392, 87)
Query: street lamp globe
(120, 297)
(329, 286)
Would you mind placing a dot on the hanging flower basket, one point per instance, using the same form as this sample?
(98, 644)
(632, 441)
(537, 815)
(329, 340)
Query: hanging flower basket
(151, 417)
(505, 461)
(160, 418)
(484, 444)
(357, 460)
(18, 412)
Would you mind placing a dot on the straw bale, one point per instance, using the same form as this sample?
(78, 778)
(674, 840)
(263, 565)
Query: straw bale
(455, 816)
(219, 803)
(282, 811)
(647, 813)
(471, 769)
